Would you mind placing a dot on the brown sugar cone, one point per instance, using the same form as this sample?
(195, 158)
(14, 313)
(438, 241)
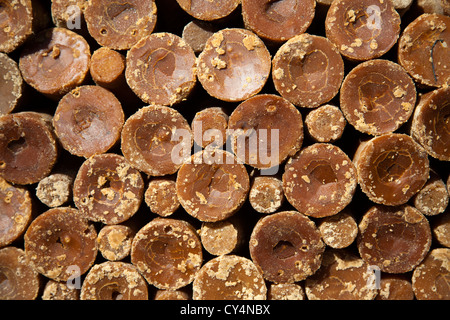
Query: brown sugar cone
(114, 281)
(433, 198)
(212, 186)
(391, 168)
(19, 279)
(441, 229)
(161, 196)
(278, 21)
(234, 65)
(377, 97)
(266, 194)
(308, 70)
(20, 19)
(167, 252)
(264, 130)
(286, 291)
(55, 61)
(28, 148)
(16, 210)
(430, 279)
(428, 66)
(172, 295)
(395, 287)
(338, 231)
(114, 241)
(209, 10)
(108, 189)
(342, 276)
(212, 281)
(61, 244)
(222, 237)
(209, 127)
(395, 239)
(430, 123)
(154, 140)
(88, 121)
(362, 29)
(325, 123)
(287, 247)
(55, 190)
(119, 26)
(11, 84)
(320, 181)
(55, 290)
(161, 69)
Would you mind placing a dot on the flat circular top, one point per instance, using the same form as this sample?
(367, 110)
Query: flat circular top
(424, 48)
(161, 69)
(362, 29)
(55, 61)
(120, 25)
(377, 96)
(234, 65)
(278, 20)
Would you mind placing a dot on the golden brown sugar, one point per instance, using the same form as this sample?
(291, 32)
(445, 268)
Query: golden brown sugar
(55, 190)
(433, 198)
(338, 231)
(234, 65)
(212, 186)
(11, 84)
(395, 239)
(28, 148)
(362, 29)
(162, 294)
(377, 97)
(229, 277)
(222, 237)
(430, 123)
(120, 25)
(266, 194)
(395, 287)
(209, 9)
(209, 127)
(342, 276)
(287, 247)
(391, 168)
(325, 123)
(55, 61)
(55, 290)
(108, 189)
(161, 69)
(320, 180)
(148, 140)
(430, 279)
(61, 244)
(441, 229)
(265, 130)
(114, 281)
(308, 70)
(429, 65)
(161, 196)
(167, 252)
(285, 291)
(114, 241)
(20, 281)
(197, 32)
(278, 20)
(16, 210)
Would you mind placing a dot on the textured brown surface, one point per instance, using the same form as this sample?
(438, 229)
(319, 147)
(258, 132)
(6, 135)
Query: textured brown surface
(120, 25)
(55, 61)
(88, 121)
(308, 70)
(362, 29)
(209, 9)
(396, 239)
